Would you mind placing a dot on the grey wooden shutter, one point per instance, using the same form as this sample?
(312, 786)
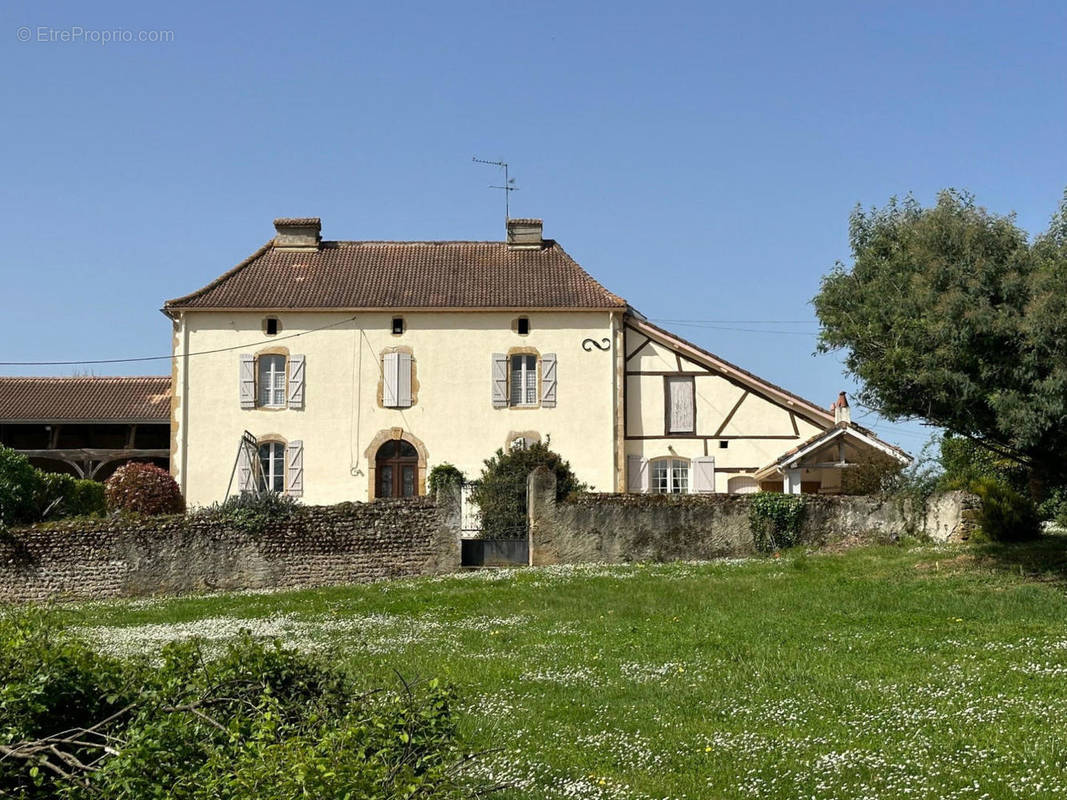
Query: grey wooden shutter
(548, 380)
(500, 380)
(247, 381)
(636, 474)
(294, 468)
(702, 481)
(245, 471)
(389, 374)
(403, 380)
(296, 382)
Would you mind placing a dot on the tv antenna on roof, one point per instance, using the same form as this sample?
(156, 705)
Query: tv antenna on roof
(508, 186)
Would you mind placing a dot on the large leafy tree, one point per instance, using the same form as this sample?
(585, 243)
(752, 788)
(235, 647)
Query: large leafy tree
(951, 315)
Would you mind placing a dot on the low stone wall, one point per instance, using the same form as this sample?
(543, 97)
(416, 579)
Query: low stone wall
(615, 528)
(324, 545)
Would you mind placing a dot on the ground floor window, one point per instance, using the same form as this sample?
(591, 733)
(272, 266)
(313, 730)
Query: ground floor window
(670, 476)
(272, 466)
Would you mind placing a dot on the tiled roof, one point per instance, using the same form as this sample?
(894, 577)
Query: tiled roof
(829, 433)
(133, 399)
(386, 275)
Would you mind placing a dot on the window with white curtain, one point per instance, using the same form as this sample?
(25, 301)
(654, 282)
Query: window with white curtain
(669, 476)
(524, 380)
(272, 381)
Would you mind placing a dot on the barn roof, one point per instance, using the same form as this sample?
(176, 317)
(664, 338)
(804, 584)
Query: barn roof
(85, 399)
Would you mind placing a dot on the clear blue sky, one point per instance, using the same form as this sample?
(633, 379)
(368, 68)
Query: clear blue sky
(700, 161)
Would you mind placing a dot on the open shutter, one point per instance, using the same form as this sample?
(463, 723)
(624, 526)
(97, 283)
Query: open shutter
(296, 382)
(245, 473)
(500, 380)
(247, 381)
(389, 372)
(294, 469)
(636, 475)
(702, 481)
(548, 380)
(403, 380)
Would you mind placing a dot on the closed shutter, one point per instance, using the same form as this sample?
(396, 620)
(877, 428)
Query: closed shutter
(702, 481)
(680, 411)
(389, 387)
(296, 382)
(294, 469)
(548, 380)
(636, 475)
(403, 380)
(247, 381)
(500, 380)
(245, 474)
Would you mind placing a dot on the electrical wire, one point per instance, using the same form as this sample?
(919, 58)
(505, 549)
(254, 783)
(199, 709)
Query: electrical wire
(171, 357)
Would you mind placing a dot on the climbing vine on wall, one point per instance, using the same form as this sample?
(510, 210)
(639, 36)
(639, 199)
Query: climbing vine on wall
(776, 520)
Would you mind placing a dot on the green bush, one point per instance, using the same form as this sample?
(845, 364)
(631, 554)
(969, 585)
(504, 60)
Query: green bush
(444, 475)
(250, 512)
(1007, 515)
(142, 488)
(20, 488)
(501, 491)
(88, 499)
(776, 520)
(256, 721)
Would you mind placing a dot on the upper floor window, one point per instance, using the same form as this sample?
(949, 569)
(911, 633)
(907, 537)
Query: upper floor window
(680, 405)
(523, 379)
(271, 326)
(398, 380)
(271, 380)
(398, 325)
(523, 383)
(522, 326)
(670, 476)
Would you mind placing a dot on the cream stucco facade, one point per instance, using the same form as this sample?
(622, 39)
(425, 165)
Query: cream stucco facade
(342, 421)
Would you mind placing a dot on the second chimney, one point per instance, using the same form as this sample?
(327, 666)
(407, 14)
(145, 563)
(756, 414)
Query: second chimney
(525, 234)
(298, 233)
(842, 414)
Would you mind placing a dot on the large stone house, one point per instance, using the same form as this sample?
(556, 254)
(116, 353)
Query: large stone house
(345, 370)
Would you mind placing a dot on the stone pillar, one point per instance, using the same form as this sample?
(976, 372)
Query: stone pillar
(447, 545)
(541, 510)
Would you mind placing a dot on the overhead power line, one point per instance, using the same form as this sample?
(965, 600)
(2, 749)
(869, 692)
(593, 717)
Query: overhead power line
(171, 357)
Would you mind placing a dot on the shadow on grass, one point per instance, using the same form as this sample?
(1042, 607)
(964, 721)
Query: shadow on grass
(1043, 559)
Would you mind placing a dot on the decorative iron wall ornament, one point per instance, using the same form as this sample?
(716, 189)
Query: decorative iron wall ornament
(589, 344)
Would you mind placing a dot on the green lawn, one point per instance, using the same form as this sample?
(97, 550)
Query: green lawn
(886, 672)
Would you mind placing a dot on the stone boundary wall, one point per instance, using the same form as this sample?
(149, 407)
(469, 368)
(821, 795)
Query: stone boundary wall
(324, 545)
(615, 528)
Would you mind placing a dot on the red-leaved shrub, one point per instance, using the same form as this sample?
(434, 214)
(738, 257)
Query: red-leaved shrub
(143, 489)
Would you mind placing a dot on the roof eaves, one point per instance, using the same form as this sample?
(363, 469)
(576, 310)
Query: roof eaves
(180, 302)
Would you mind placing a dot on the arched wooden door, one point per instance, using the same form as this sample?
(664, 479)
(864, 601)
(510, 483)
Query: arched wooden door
(396, 470)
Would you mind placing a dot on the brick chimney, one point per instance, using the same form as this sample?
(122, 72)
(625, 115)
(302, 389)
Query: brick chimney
(525, 234)
(842, 414)
(298, 233)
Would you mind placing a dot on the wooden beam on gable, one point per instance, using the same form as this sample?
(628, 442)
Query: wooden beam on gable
(733, 411)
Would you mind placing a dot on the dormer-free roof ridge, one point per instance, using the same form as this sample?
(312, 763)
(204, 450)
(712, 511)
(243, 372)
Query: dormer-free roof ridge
(296, 270)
